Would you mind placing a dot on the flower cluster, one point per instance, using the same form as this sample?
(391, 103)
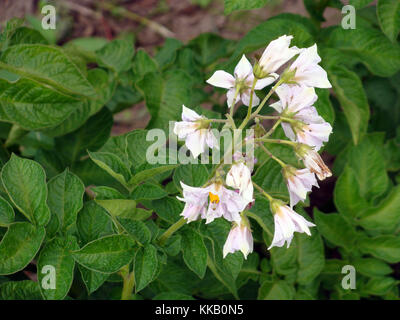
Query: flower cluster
(230, 191)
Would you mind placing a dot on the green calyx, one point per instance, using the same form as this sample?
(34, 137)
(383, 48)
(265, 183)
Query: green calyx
(288, 171)
(275, 204)
(288, 76)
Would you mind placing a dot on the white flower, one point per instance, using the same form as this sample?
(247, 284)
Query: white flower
(221, 202)
(286, 223)
(292, 99)
(308, 127)
(239, 239)
(224, 203)
(275, 55)
(196, 132)
(240, 83)
(239, 177)
(307, 71)
(299, 182)
(313, 161)
(196, 200)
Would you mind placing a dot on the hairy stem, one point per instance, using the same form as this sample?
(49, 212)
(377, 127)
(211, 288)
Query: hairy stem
(128, 284)
(171, 230)
(272, 156)
(268, 196)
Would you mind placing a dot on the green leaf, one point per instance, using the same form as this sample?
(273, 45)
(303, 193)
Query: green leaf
(324, 105)
(269, 30)
(269, 177)
(379, 285)
(93, 222)
(104, 85)
(143, 64)
(91, 136)
(112, 164)
(137, 229)
(336, 229)
(386, 248)
(145, 266)
(368, 164)
(194, 252)
(371, 267)
(368, 46)
(388, 12)
(119, 207)
(168, 208)
(148, 191)
(167, 54)
(165, 95)
(149, 171)
(386, 216)
(194, 175)
(19, 246)
(65, 198)
(24, 35)
(278, 290)
(136, 147)
(116, 55)
(108, 254)
(25, 183)
(233, 5)
(350, 93)
(26, 60)
(57, 253)
(6, 213)
(20, 290)
(107, 193)
(358, 4)
(172, 296)
(347, 194)
(93, 280)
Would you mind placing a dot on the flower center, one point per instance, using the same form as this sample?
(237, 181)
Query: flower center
(214, 199)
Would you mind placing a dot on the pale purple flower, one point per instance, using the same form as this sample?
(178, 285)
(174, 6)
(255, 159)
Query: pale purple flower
(239, 239)
(211, 202)
(239, 177)
(296, 103)
(299, 182)
(196, 134)
(287, 222)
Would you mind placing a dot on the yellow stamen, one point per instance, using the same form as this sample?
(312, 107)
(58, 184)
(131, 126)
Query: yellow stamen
(213, 198)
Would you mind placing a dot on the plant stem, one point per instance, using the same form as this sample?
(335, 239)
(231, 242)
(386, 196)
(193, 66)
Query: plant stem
(135, 17)
(250, 105)
(255, 113)
(279, 141)
(171, 230)
(127, 289)
(272, 129)
(234, 103)
(268, 196)
(216, 120)
(272, 156)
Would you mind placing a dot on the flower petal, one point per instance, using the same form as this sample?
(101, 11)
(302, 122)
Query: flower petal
(243, 69)
(222, 79)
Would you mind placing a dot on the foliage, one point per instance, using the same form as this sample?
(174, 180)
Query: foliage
(88, 203)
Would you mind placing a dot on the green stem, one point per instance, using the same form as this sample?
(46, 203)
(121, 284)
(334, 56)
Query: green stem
(127, 289)
(246, 120)
(272, 129)
(266, 98)
(279, 141)
(284, 119)
(268, 196)
(216, 120)
(171, 230)
(234, 103)
(272, 156)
